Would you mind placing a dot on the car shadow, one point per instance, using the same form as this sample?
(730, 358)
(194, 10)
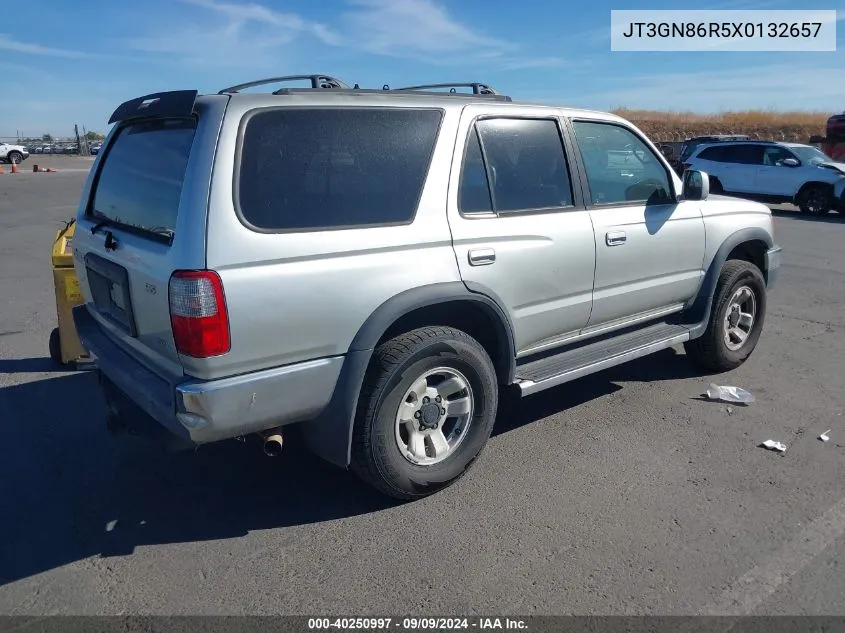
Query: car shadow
(36, 365)
(516, 412)
(830, 218)
(72, 491)
(66, 481)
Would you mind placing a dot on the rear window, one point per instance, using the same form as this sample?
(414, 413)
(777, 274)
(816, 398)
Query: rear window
(689, 148)
(140, 182)
(327, 168)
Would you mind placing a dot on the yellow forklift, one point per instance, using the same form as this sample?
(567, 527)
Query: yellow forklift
(65, 348)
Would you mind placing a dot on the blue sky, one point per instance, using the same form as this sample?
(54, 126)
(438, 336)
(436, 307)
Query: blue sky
(69, 62)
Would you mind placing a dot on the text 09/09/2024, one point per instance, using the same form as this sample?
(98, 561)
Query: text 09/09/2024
(416, 623)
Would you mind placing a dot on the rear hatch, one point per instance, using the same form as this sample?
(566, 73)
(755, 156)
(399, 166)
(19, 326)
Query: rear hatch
(142, 217)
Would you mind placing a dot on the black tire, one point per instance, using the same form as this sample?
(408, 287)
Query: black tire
(711, 351)
(814, 200)
(396, 365)
(14, 158)
(55, 346)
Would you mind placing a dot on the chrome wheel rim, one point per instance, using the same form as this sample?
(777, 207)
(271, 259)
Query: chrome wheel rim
(434, 416)
(740, 317)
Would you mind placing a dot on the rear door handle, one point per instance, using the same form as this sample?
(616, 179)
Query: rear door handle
(615, 238)
(482, 257)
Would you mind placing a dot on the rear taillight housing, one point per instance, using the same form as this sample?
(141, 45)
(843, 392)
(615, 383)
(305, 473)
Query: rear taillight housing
(198, 314)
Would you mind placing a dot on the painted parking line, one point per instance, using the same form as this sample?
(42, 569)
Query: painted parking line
(750, 590)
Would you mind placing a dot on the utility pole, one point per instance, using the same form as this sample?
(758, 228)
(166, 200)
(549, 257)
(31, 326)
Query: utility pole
(79, 141)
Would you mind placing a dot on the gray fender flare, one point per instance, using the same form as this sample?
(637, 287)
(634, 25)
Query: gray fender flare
(329, 436)
(699, 310)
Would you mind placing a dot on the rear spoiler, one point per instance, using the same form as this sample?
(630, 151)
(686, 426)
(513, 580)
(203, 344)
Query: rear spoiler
(173, 104)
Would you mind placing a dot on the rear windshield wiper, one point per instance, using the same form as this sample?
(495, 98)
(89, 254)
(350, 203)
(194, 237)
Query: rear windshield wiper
(98, 226)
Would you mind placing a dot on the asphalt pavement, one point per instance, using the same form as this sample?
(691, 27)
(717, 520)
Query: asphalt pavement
(622, 493)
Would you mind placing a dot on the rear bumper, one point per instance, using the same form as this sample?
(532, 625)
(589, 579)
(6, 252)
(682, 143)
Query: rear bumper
(200, 411)
(773, 265)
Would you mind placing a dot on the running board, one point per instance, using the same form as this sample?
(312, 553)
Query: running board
(576, 363)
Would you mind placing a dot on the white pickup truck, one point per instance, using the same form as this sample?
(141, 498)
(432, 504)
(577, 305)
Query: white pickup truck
(13, 153)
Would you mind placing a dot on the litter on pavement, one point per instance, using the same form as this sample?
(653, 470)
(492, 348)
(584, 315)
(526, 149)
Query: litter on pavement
(730, 394)
(824, 437)
(774, 446)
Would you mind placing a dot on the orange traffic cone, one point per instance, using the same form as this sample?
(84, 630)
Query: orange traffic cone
(2, 171)
(15, 169)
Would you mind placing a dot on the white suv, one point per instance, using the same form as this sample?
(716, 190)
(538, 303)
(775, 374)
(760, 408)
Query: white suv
(13, 153)
(770, 171)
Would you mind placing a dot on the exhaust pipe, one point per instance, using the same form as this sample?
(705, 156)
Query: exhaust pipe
(273, 444)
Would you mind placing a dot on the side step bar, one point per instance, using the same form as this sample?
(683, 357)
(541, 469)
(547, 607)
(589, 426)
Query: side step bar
(593, 357)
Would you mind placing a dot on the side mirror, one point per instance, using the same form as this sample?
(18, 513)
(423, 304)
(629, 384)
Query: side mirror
(790, 162)
(696, 185)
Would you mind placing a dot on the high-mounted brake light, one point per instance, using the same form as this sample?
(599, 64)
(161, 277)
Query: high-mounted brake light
(198, 313)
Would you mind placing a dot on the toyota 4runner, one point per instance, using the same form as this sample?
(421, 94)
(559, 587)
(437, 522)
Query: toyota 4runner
(376, 265)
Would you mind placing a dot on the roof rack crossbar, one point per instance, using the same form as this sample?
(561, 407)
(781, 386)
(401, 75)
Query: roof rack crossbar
(477, 88)
(318, 82)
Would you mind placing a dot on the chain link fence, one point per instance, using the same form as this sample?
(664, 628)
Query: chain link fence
(78, 144)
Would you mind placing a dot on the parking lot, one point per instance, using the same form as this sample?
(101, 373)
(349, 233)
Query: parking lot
(623, 493)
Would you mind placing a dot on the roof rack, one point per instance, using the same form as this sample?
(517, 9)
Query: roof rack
(322, 82)
(318, 82)
(477, 88)
(386, 90)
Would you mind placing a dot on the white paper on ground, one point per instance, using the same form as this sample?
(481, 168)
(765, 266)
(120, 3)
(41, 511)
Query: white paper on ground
(824, 437)
(729, 393)
(774, 446)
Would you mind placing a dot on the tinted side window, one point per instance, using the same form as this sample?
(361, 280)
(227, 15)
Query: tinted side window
(335, 167)
(526, 162)
(716, 154)
(745, 154)
(619, 166)
(474, 193)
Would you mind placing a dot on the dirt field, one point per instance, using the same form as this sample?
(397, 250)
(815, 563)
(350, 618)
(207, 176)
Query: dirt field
(779, 126)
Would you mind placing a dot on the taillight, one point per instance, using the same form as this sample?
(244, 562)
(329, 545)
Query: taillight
(198, 313)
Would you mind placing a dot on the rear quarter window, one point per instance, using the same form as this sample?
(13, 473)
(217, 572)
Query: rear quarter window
(715, 154)
(329, 168)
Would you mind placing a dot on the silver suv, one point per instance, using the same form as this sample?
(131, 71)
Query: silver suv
(375, 266)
